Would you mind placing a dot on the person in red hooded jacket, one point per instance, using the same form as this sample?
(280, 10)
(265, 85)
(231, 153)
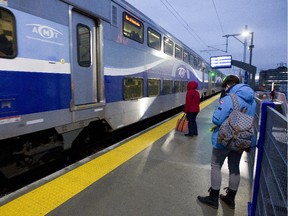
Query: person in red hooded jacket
(192, 108)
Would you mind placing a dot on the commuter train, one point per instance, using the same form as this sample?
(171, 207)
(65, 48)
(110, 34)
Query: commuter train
(71, 70)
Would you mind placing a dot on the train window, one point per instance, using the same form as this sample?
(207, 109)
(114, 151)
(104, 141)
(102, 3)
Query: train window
(7, 35)
(196, 61)
(178, 52)
(133, 88)
(168, 46)
(154, 39)
(185, 56)
(167, 87)
(133, 28)
(177, 86)
(154, 87)
(84, 45)
(199, 63)
(184, 86)
(191, 60)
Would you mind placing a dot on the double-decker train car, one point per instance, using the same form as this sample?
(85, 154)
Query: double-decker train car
(71, 69)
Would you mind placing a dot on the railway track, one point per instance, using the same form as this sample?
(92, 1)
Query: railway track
(106, 140)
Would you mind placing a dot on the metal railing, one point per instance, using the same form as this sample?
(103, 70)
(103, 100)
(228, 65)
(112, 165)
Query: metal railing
(268, 162)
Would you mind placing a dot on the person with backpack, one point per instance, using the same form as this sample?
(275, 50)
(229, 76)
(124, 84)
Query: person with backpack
(245, 97)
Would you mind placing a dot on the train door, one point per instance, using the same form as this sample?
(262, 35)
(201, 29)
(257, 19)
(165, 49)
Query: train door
(83, 62)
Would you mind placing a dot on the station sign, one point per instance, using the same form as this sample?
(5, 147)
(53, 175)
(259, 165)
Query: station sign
(221, 61)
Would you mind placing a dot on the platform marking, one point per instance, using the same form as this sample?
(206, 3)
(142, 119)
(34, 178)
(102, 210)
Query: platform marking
(49, 196)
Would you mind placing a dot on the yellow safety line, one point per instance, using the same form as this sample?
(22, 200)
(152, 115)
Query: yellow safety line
(49, 196)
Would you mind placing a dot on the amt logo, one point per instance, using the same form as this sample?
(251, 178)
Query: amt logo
(181, 72)
(45, 31)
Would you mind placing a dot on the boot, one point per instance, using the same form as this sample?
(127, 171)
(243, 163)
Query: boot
(212, 199)
(229, 198)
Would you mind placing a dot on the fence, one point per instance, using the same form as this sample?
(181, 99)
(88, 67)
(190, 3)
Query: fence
(268, 162)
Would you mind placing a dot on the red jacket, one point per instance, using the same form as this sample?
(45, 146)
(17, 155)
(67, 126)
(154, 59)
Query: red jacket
(192, 98)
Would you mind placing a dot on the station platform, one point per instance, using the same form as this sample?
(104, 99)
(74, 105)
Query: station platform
(158, 172)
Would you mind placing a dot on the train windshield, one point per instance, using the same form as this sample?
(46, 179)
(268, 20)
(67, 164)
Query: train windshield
(7, 34)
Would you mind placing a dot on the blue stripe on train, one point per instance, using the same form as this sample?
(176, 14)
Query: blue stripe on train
(30, 92)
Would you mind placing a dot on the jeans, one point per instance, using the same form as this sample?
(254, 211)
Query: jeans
(192, 125)
(217, 160)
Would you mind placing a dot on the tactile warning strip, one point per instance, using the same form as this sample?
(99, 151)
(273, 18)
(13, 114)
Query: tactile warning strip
(49, 196)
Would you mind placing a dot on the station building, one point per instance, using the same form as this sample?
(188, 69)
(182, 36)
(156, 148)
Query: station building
(278, 76)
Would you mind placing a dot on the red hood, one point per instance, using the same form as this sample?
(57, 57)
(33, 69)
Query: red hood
(192, 85)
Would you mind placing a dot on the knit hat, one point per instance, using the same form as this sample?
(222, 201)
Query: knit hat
(230, 80)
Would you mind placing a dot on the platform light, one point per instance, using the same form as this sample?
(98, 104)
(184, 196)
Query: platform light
(245, 33)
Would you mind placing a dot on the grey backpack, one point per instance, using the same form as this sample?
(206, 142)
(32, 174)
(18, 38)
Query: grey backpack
(237, 130)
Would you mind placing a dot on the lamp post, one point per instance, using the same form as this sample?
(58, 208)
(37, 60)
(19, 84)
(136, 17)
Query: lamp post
(251, 46)
(203, 67)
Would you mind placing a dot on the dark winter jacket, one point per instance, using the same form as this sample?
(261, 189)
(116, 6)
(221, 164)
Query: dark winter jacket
(192, 98)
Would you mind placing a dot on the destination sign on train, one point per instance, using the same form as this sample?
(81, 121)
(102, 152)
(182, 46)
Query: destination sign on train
(221, 61)
(132, 20)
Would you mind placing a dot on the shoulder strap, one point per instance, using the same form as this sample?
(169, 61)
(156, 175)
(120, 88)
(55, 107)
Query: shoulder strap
(235, 101)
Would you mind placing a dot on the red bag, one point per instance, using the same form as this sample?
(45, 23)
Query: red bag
(182, 124)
